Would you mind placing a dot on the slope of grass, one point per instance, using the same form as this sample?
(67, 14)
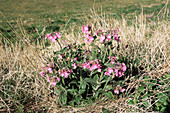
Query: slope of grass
(144, 47)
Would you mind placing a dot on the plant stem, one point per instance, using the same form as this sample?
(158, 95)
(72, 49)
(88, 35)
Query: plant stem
(59, 43)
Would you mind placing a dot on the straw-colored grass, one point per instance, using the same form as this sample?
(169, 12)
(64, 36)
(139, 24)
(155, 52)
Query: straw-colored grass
(23, 89)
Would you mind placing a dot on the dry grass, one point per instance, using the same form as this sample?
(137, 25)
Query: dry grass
(22, 88)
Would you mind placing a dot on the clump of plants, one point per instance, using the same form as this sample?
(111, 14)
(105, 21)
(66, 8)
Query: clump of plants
(82, 75)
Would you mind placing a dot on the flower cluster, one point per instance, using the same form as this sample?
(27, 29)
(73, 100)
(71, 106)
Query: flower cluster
(92, 65)
(107, 36)
(51, 80)
(73, 64)
(119, 89)
(88, 36)
(52, 37)
(65, 72)
(120, 70)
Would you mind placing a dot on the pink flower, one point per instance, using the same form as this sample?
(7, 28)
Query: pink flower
(43, 67)
(121, 73)
(48, 79)
(53, 83)
(122, 90)
(74, 66)
(76, 58)
(91, 69)
(50, 37)
(66, 42)
(108, 57)
(70, 71)
(86, 29)
(102, 38)
(58, 35)
(66, 74)
(94, 66)
(53, 39)
(110, 70)
(112, 62)
(116, 91)
(62, 74)
(42, 74)
(148, 16)
(50, 70)
(99, 70)
(115, 58)
(60, 56)
(108, 38)
(89, 39)
(107, 73)
(58, 79)
(116, 37)
(98, 32)
(124, 67)
(47, 35)
(116, 72)
(86, 65)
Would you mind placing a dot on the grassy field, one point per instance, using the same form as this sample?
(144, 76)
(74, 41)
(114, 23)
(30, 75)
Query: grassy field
(34, 10)
(144, 47)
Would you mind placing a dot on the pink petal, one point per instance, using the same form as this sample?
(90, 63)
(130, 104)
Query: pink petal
(122, 90)
(66, 74)
(116, 72)
(50, 70)
(53, 83)
(58, 79)
(42, 74)
(110, 70)
(116, 91)
(48, 79)
(124, 67)
(99, 70)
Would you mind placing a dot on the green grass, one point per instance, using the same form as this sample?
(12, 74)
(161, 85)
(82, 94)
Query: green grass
(55, 14)
(23, 89)
(35, 10)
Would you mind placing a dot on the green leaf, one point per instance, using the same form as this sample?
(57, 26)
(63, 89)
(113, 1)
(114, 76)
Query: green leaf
(135, 101)
(146, 77)
(166, 76)
(141, 89)
(57, 52)
(64, 50)
(94, 72)
(104, 110)
(157, 108)
(146, 103)
(83, 44)
(154, 81)
(165, 103)
(57, 91)
(98, 92)
(83, 84)
(108, 87)
(72, 91)
(137, 95)
(109, 94)
(91, 81)
(157, 104)
(63, 97)
(73, 82)
(95, 87)
(145, 97)
(81, 91)
(131, 102)
(163, 109)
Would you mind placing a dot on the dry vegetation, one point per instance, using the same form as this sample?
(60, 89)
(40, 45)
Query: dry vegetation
(22, 89)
